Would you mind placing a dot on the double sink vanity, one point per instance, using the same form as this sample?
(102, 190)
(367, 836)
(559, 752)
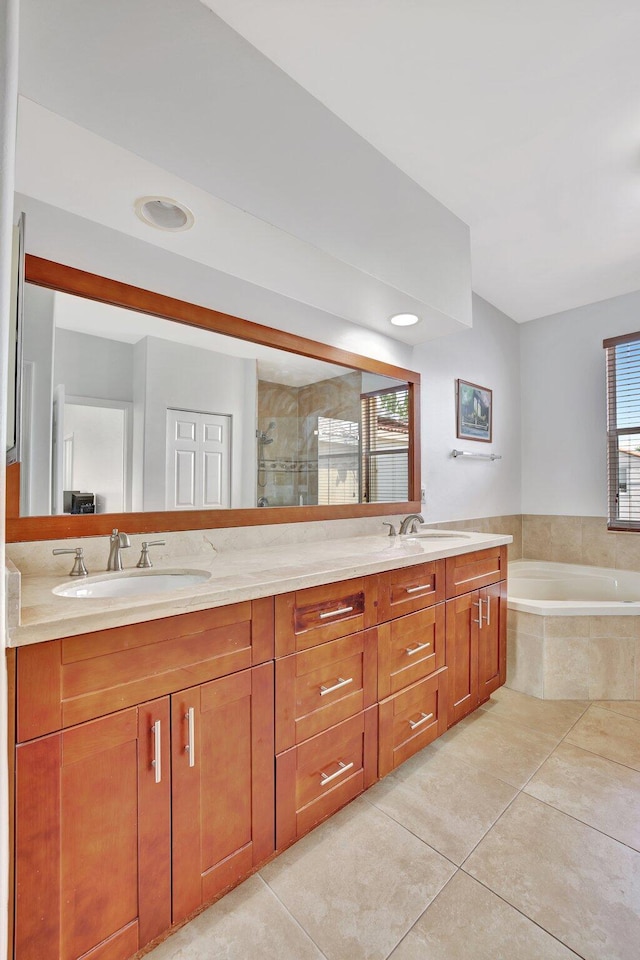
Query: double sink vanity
(175, 732)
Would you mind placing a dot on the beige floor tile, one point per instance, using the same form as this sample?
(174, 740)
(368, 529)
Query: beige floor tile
(468, 922)
(425, 796)
(628, 708)
(599, 792)
(554, 717)
(608, 734)
(579, 885)
(501, 748)
(249, 923)
(358, 883)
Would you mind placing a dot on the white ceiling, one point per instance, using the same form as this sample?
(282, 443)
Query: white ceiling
(522, 118)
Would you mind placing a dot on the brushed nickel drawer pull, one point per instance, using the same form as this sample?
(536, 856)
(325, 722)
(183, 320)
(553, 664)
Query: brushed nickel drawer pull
(422, 586)
(487, 618)
(190, 717)
(335, 613)
(419, 646)
(156, 763)
(423, 719)
(343, 767)
(478, 604)
(341, 683)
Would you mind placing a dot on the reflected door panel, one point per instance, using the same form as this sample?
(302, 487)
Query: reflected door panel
(198, 460)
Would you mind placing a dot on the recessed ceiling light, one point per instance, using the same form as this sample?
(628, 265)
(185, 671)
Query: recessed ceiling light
(163, 213)
(404, 319)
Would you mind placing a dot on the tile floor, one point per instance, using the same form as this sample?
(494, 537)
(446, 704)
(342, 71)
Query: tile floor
(516, 836)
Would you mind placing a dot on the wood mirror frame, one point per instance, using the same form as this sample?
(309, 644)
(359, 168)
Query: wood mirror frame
(56, 276)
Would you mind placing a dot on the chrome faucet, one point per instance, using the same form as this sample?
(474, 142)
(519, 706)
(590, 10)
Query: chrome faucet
(409, 524)
(118, 542)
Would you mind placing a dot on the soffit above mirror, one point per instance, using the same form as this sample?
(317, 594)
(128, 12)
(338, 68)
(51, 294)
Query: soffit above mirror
(332, 221)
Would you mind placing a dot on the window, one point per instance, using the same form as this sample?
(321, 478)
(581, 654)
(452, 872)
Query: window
(623, 431)
(385, 445)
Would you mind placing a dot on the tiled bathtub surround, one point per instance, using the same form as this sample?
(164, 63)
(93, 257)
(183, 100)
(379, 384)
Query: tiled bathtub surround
(574, 658)
(578, 540)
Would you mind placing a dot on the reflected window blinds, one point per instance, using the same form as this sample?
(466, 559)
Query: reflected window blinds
(385, 445)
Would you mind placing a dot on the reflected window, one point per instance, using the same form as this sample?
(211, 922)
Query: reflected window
(385, 445)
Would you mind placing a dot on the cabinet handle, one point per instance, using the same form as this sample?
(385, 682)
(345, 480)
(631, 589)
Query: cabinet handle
(418, 647)
(422, 586)
(342, 768)
(341, 683)
(190, 717)
(487, 618)
(156, 763)
(478, 604)
(423, 719)
(335, 613)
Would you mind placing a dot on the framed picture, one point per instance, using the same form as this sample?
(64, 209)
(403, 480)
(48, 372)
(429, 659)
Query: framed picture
(473, 411)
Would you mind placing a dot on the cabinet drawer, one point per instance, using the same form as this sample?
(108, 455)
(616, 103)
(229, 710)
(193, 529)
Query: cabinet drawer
(317, 777)
(64, 682)
(410, 720)
(409, 589)
(317, 688)
(469, 571)
(306, 618)
(410, 648)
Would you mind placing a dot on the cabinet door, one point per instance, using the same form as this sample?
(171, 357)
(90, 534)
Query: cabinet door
(462, 655)
(492, 640)
(92, 827)
(223, 784)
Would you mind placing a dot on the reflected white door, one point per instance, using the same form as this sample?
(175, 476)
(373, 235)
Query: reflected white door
(198, 460)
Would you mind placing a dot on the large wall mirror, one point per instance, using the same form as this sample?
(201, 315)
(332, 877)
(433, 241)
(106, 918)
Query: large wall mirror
(149, 413)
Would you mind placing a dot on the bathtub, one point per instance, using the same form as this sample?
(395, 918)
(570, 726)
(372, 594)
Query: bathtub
(572, 632)
(569, 590)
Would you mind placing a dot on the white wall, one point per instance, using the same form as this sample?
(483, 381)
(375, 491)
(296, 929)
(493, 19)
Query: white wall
(186, 378)
(460, 489)
(564, 454)
(91, 366)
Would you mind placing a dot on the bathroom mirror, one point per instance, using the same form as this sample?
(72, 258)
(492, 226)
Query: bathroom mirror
(153, 414)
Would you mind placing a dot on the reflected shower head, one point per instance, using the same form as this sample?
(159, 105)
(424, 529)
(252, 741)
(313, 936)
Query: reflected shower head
(263, 435)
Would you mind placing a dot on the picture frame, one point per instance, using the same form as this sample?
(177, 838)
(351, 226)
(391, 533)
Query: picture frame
(474, 412)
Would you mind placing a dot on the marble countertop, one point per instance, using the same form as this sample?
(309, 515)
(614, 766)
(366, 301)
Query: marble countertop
(236, 575)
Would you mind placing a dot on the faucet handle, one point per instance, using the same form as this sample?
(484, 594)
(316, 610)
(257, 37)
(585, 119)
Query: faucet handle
(78, 569)
(145, 559)
(392, 529)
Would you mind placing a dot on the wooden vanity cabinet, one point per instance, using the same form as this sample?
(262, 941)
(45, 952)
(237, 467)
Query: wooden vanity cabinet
(412, 672)
(129, 821)
(476, 625)
(326, 702)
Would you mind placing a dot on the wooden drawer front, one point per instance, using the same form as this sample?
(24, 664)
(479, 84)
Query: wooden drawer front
(411, 588)
(320, 687)
(410, 648)
(472, 570)
(309, 617)
(64, 682)
(319, 776)
(410, 720)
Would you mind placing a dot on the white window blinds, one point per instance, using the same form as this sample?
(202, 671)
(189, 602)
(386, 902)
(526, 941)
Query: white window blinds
(385, 445)
(623, 431)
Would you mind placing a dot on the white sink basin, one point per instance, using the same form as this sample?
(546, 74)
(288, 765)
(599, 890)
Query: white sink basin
(437, 535)
(133, 583)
